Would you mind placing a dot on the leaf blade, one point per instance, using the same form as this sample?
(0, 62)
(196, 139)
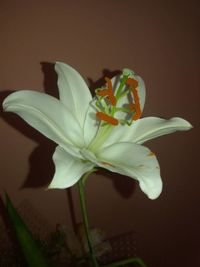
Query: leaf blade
(32, 253)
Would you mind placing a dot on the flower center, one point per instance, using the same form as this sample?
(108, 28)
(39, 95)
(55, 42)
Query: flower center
(101, 136)
(124, 100)
(116, 106)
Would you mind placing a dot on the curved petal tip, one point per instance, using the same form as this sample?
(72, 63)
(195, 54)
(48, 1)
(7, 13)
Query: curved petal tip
(153, 190)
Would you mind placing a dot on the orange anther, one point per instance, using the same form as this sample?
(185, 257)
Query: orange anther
(138, 111)
(104, 117)
(131, 106)
(109, 83)
(103, 92)
(132, 82)
(133, 85)
(112, 99)
(108, 92)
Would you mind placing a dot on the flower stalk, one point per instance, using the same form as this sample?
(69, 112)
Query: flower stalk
(85, 219)
(92, 257)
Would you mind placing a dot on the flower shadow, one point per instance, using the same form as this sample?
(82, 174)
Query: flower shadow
(40, 164)
(97, 84)
(124, 185)
(41, 167)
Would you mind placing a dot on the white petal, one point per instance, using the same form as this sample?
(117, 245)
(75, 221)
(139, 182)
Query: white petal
(46, 114)
(68, 170)
(73, 91)
(141, 90)
(91, 124)
(135, 161)
(145, 129)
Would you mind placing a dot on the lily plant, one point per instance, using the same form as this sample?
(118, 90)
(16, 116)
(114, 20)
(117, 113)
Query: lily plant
(105, 131)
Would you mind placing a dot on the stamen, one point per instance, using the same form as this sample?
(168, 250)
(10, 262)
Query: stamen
(133, 85)
(108, 92)
(109, 83)
(104, 117)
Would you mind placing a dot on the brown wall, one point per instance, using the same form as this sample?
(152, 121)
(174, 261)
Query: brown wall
(160, 41)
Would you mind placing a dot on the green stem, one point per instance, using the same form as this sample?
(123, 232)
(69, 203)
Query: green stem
(93, 259)
(85, 218)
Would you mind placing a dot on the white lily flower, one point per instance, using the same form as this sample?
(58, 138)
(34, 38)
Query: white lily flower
(106, 131)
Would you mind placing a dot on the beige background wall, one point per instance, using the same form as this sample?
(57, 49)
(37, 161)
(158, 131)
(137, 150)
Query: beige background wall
(160, 41)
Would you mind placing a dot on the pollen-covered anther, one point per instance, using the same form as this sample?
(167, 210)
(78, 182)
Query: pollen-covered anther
(108, 92)
(133, 84)
(104, 117)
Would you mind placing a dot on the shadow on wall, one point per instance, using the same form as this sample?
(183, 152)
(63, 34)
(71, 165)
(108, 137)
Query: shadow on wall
(41, 167)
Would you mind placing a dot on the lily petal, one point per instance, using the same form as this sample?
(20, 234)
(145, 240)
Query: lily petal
(73, 91)
(151, 127)
(46, 114)
(91, 124)
(145, 129)
(68, 169)
(135, 161)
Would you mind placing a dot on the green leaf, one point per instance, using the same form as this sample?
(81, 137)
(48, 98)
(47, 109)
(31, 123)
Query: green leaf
(32, 253)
